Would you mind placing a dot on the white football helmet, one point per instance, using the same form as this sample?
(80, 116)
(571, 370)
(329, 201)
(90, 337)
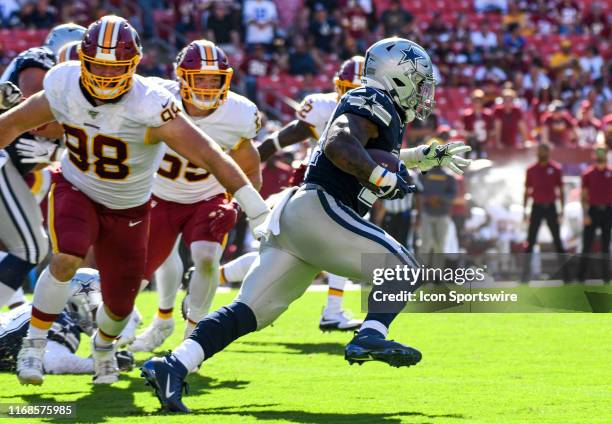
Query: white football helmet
(85, 297)
(63, 34)
(404, 70)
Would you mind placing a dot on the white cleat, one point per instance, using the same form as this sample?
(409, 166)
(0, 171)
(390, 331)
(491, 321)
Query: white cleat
(154, 335)
(128, 335)
(106, 370)
(30, 361)
(339, 321)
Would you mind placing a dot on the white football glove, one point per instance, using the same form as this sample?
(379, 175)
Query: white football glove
(444, 155)
(36, 151)
(10, 95)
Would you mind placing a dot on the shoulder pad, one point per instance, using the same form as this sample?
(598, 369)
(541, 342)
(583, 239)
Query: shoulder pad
(370, 103)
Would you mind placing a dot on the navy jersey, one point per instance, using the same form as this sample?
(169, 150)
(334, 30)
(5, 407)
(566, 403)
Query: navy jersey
(376, 106)
(14, 327)
(35, 57)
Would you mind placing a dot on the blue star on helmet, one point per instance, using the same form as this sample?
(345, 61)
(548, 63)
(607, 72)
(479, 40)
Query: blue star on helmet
(412, 56)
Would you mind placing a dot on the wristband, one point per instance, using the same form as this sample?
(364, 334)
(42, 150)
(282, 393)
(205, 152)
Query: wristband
(381, 176)
(250, 201)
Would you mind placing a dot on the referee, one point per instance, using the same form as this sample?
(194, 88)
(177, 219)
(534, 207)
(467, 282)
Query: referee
(597, 209)
(543, 184)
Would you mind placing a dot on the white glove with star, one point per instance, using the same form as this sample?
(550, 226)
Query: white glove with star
(436, 154)
(37, 151)
(10, 95)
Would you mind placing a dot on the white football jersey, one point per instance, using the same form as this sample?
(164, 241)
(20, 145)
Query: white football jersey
(316, 109)
(109, 156)
(180, 181)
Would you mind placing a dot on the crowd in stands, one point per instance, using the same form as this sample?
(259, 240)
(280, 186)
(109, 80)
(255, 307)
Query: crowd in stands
(508, 71)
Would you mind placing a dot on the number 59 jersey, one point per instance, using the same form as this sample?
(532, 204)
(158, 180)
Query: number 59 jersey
(109, 156)
(180, 181)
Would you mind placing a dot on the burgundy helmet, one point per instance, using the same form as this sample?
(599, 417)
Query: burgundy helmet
(113, 43)
(69, 51)
(202, 58)
(349, 75)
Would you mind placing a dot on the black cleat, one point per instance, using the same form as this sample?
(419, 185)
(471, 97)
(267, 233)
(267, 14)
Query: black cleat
(166, 378)
(369, 347)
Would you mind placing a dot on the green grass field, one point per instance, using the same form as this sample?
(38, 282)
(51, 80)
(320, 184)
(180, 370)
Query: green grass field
(476, 368)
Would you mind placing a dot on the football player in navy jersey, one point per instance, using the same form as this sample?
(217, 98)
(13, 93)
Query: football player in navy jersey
(21, 229)
(319, 226)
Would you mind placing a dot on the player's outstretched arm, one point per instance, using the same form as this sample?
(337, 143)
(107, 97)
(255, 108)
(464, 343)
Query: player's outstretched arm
(247, 158)
(190, 142)
(294, 132)
(30, 114)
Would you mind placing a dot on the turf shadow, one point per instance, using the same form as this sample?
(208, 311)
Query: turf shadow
(21, 395)
(104, 401)
(304, 417)
(329, 348)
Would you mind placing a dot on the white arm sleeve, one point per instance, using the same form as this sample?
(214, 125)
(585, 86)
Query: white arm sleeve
(59, 360)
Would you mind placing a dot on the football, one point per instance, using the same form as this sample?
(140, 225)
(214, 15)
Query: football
(385, 159)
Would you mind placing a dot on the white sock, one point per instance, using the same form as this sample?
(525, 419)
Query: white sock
(235, 271)
(190, 354)
(169, 276)
(335, 294)
(101, 342)
(204, 279)
(37, 333)
(50, 297)
(375, 325)
(111, 327)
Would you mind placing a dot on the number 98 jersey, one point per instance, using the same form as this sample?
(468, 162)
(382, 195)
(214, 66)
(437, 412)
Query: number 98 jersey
(234, 121)
(110, 156)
